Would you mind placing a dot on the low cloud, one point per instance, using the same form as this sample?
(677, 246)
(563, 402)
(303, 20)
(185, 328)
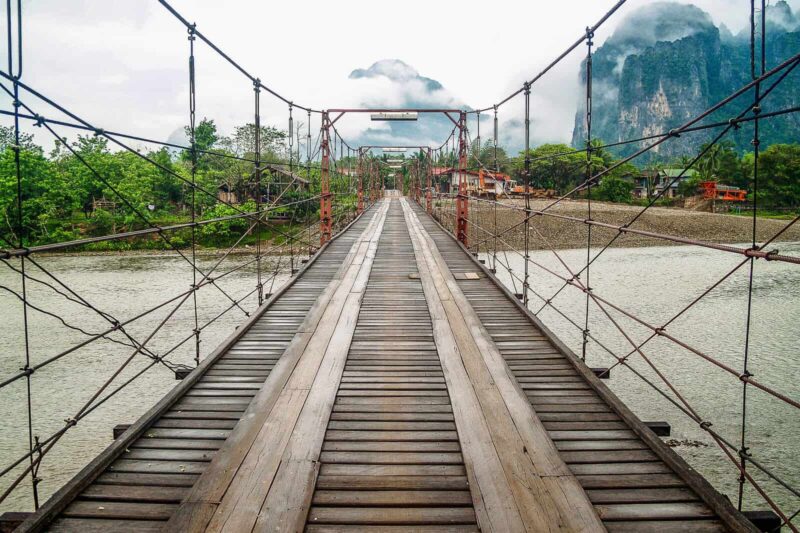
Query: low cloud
(124, 66)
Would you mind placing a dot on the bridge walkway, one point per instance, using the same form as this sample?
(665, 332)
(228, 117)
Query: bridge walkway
(394, 385)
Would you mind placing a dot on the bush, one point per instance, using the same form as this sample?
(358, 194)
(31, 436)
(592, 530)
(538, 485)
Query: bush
(225, 230)
(612, 189)
(102, 223)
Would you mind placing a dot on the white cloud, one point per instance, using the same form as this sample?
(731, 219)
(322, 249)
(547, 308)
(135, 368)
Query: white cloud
(123, 64)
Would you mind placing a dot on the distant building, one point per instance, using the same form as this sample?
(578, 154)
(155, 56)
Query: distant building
(479, 182)
(650, 183)
(716, 191)
(281, 179)
(227, 194)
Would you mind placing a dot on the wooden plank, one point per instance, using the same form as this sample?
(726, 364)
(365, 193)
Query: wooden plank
(641, 495)
(542, 489)
(655, 511)
(392, 515)
(281, 452)
(292, 373)
(721, 505)
(620, 481)
(400, 482)
(58, 501)
(393, 435)
(119, 510)
(94, 525)
(390, 446)
(395, 498)
(157, 467)
(168, 454)
(149, 494)
(391, 470)
(159, 480)
(350, 528)
(666, 526)
(393, 457)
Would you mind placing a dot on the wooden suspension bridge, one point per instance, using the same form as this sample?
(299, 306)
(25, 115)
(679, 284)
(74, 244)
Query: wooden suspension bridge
(379, 390)
(393, 383)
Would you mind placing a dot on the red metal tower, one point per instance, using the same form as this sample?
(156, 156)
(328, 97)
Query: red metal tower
(462, 201)
(325, 220)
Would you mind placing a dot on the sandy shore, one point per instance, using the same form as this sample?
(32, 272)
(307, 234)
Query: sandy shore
(548, 231)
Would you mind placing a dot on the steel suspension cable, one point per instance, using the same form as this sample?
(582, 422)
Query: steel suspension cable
(588, 103)
(15, 71)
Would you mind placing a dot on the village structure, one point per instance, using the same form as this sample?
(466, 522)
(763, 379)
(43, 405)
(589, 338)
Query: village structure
(665, 183)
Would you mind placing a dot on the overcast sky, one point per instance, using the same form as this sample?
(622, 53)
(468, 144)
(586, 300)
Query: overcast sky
(122, 64)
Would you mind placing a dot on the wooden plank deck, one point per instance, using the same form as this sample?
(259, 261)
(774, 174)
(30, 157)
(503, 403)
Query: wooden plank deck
(379, 392)
(634, 480)
(139, 482)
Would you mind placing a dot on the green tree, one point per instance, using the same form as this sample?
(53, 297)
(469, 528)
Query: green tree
(205, 139)
(779, 176)
(486, 157)
(613, 189)
(556, 166)
(37, 185)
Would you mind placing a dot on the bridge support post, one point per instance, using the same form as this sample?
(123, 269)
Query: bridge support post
(428, 192)
(462, 201)
(373, 183)
(257, 170)
(325, 221)
(360, 181)
(526, 278)
(418, 182)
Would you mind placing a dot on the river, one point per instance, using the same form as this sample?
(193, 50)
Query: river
(652, 283)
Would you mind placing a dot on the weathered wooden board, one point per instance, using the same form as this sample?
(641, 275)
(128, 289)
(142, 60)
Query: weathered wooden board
(389, 443)
(514, 464)
(538, 357)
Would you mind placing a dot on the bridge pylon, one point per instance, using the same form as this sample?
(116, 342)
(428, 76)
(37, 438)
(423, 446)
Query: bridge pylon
(325, 220)
(462, 201)
(428, 191)
(360, 181)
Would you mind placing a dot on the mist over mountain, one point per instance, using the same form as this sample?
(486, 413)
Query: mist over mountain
(668, 62)
(395, 84)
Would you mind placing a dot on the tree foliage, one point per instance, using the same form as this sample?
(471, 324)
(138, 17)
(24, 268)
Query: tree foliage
(84, 188)
(779, 176)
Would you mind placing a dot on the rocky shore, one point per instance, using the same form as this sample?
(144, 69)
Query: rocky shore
(551, 231)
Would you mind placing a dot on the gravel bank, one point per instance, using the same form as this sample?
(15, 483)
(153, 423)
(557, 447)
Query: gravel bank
(549, 231)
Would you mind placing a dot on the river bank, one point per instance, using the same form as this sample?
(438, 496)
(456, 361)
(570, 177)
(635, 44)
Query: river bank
(549, 231)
